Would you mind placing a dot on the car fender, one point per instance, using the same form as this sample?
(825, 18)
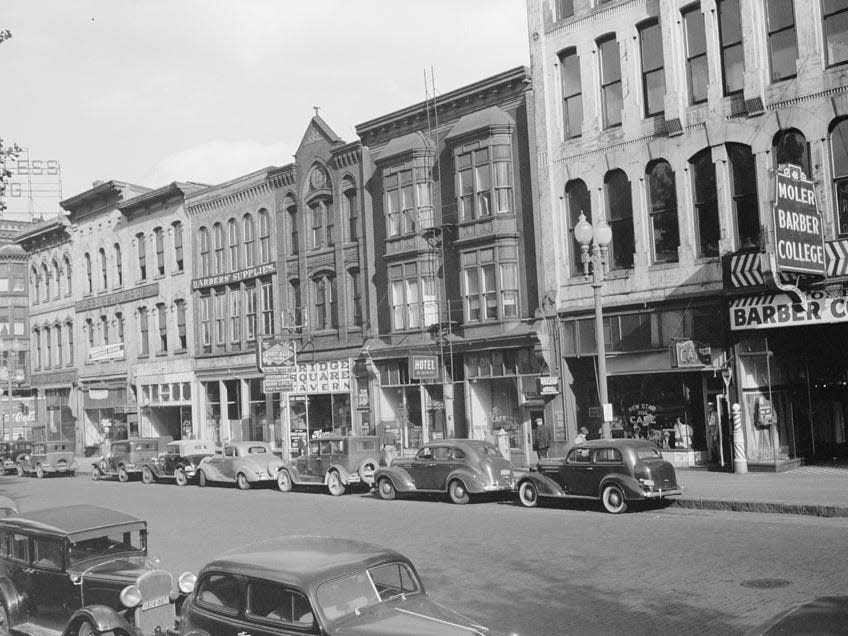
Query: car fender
(400, 478)
(344, 473)
(632, 488)
(210, 470)
(474, 482)
(12, 599)
(102, 617)
(153, 467)
(545, 486)
(292, 470)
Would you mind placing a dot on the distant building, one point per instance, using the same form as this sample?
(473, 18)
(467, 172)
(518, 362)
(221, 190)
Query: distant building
(669, 120)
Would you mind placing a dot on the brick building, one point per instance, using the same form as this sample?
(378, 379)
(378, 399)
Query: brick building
(669, 120)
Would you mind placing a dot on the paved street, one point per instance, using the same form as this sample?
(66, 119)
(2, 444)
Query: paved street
(565, 569)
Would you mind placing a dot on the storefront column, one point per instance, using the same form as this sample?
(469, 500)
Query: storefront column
(198, 410)
(447, 398)
(223, 420)
(425, 424)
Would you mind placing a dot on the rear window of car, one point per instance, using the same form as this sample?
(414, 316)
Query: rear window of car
(441, 452)
(58, 447)
(648, 453)
(147, 446)
(367, 445)
(256, 450)
(607, 456)
(278, 605)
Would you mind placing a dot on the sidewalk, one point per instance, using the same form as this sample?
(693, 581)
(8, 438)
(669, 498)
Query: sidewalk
(810, 490)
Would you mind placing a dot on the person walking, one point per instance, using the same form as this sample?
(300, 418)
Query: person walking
(543, 437)
(712, 432)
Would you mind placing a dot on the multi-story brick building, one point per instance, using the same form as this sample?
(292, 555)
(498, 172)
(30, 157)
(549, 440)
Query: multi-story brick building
(54, 372)
(668, 120)
(17, 412)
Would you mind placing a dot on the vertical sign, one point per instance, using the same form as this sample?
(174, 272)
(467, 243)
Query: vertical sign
(798, 235)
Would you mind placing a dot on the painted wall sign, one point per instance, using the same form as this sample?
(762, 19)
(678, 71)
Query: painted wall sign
(778, 310)
(798, 234)
(127, 296)
(234, 277)
(423, 367)
(318, 377)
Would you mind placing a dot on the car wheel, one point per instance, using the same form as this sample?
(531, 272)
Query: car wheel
(85, 629)
(334, 484)
(146, 475)
(95, 473)
(528, 494)
(386, 489)
(284, 481)
(39, 472)
(201, 479)
(123, 475)
(5, 628)
(180, 477)
(613, 499)
(20, 469)
(241, 482)
(458, 493)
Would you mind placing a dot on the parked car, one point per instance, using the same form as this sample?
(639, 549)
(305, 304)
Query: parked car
(459, 467)
(240, 463)
(10, 451)
(822, 615)
(316, 585)
(614, 471)
(124, 458)
(335, 461)
(83, 570)
(8, 507)
(178, 463)
(48, 458)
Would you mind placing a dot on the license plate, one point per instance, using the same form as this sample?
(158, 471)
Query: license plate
(154, 602)
(504, 472)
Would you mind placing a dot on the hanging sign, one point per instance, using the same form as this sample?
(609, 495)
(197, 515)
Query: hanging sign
(798, 234)
(423, 367)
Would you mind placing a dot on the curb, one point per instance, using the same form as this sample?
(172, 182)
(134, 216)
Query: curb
(816, 510)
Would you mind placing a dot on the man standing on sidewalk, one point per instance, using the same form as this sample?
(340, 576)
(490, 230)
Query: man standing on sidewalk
(712, 432)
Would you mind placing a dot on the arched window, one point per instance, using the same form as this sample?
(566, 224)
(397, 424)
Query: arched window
(294, 225)
(218, 238)
(177, 227)
(57, 280)
(159, 244)
(706, 203)
(295, 304)
(57, 332)
(743, 172)
(68, 286)
(620, 215)
(264, 236)
(249, 241)
(104, 281)
(662, 204)
(204, 251)
(233, 243)
(142, 256)
(324, 296)
(35, 284)
(69, 332)
(350, 209)
(321, 213)
(839, 157)
(579, 202)
(119, 265)
(36, 337)
(790, 146)
(355, 299)
(88, 277)
(45, 274)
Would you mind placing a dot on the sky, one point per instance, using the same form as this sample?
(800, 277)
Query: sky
(154, 91)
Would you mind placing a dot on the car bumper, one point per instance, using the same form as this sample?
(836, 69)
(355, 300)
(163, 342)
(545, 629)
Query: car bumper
(59, 469)
(656, 494)
(500, 487)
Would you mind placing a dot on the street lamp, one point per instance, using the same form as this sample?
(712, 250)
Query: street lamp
(12, 373)
(594, 248)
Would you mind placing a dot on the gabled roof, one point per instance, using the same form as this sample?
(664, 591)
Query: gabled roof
(319, 130)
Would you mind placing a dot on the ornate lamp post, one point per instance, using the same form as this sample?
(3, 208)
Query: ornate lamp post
(594, 247)
(13, 374)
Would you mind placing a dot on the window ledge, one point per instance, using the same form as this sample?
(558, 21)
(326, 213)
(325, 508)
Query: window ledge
(161, 354)
(159, 277)
(141, 281)
(143, 356)
(182, 351)
(178, 272)
(654, 267)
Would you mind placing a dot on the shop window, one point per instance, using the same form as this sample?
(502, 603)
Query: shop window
(653, 73)
(204, 251)
(620, 215)
(790, 146)
(697, 70)
(88, 278)
(218, 239)
(839, 156)
(782, 39)
(142, 257)
(730, 37)
(143, 331)
(233, 244)
(743, 172)
(267, 308)
(572, 93)
(413, 296)
(119, 266)
(662, 204)
(611, 98)
(835, 18)
(264, 237)
(177, 228)
(706, 203)
(182, 342)
(249, 241)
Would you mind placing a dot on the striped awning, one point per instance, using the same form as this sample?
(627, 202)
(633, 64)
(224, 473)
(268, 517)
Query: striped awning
(746, 268)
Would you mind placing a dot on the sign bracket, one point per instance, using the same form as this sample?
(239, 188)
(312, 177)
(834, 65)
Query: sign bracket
(771, 276)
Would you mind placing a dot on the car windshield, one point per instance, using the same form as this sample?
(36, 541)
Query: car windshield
(343, 596)
(648, 453)
(115, 542)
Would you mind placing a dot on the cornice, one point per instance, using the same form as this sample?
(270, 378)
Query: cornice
(240, 190)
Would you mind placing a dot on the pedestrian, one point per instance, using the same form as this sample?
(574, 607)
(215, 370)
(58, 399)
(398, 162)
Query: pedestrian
(682, 434)
(712, 432)
(543, 437)
(581, 436)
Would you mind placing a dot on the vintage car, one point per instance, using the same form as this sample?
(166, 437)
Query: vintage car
(124, 458)
(240, 463)
(178, 463)
(83, 570)
(613, 471)
(316, 585)
(48, 458)
(460, 467)
(8, 507)
(10, 451)
(335, 461)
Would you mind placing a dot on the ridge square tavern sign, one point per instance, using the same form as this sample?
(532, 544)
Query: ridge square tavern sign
(798, 235)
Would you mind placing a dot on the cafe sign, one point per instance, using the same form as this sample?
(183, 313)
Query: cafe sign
(779, 310)
(799, 238)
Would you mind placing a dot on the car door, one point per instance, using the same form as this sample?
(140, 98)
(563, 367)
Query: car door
(606, 461)
(272, 608)
(226, 465)
(213, 467)
(435, 473)
(578, 472)
(419, 466)
(51, 591)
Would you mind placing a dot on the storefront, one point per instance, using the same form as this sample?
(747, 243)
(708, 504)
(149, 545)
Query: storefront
(54, 413)
(107, 411)
(321, 401)
(166, 408)
(237, 409)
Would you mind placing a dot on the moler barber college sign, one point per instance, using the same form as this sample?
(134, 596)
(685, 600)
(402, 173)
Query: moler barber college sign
(798, 235)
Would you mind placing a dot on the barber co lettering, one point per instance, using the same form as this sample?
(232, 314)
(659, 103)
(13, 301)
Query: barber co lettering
(779, 310)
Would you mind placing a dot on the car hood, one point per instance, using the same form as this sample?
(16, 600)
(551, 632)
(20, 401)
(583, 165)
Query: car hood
(416, 616)
(118, 569)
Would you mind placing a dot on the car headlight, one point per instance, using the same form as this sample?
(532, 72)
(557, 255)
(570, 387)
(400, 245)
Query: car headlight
(130, 596)
(186, 582)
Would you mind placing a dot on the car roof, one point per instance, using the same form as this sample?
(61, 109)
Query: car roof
(467, 443)
(199, 444)
(618, 443)
(248, 444)
(70, 520)
(335, 437)
(304, 561)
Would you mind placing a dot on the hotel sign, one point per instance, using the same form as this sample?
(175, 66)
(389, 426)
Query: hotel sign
(233, 277)
(423, 367)
(128, 296)
(798, 233)
(779, 310)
